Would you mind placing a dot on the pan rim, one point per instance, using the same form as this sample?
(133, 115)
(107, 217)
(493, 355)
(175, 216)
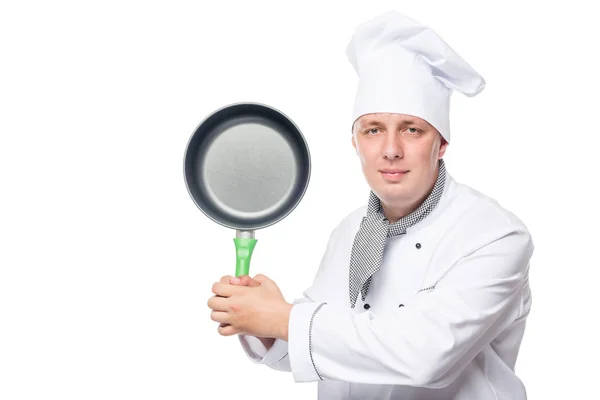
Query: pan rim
(302, 188)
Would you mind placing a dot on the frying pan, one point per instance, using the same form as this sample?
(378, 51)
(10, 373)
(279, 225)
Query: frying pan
(246, 167)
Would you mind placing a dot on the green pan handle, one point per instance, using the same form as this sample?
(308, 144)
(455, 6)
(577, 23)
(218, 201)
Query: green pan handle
(243, 253)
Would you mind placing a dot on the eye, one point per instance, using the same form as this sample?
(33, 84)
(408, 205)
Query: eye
(413, 131)
(372, 130)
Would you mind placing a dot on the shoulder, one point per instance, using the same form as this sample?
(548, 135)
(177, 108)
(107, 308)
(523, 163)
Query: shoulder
(483, 208)
(350, 224)
(464, 214)
(479, 220)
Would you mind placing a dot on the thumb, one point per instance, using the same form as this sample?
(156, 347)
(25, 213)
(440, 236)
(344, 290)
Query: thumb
(261, 278)
(244, 280)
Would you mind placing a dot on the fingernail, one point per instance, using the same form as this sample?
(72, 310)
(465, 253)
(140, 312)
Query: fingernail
(235, 281)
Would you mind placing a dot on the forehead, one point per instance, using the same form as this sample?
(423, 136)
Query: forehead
(389, 118)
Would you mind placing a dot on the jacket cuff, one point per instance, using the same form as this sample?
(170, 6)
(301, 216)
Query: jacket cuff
(258, 353)
(299, 342)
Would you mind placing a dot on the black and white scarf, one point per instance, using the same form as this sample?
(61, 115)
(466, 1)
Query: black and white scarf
(375, 229)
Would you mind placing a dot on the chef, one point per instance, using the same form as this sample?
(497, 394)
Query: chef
(422, 292)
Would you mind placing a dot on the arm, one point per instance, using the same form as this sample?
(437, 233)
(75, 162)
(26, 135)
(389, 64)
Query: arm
(276, 356)
(268, 351)
(428, 342)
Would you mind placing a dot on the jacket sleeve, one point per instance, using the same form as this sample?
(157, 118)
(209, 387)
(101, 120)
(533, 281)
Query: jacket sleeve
(428, 342)
(277, 356)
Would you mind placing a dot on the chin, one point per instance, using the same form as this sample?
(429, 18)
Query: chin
(392, 191)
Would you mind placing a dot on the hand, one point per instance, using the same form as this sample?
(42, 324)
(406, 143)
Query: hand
(243, 280)
(259, 310)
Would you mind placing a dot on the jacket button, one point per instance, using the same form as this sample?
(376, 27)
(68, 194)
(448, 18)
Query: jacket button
(418, 245)
(401, 305)
(367, 306)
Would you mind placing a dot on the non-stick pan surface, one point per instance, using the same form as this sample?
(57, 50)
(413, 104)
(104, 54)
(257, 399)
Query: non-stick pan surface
(247, 166)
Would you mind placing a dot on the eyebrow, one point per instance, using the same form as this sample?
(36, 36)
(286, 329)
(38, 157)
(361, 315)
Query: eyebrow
(374, 122)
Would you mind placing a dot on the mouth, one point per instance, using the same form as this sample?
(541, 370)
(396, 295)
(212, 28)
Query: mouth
(393, 173)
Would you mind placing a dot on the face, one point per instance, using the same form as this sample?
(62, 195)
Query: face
(399, 157)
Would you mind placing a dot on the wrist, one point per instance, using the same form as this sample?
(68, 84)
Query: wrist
(286, 310)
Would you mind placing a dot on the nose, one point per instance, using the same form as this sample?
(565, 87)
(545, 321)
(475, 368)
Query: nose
(392, 147)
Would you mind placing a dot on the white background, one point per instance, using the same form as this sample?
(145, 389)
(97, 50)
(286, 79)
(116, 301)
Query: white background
(106, 263)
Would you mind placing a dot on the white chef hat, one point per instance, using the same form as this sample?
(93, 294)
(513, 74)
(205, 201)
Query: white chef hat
(405, 67)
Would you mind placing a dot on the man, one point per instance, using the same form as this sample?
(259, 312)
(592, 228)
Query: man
(422, 293)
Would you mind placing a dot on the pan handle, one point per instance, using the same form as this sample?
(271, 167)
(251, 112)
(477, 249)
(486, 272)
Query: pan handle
(244, 246)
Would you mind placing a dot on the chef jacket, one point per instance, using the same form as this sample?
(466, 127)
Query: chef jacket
(444, 317)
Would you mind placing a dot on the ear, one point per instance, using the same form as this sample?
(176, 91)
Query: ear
(443, 146)
(354, 143)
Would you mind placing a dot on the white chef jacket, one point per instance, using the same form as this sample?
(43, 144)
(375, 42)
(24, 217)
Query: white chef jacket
(443, 319)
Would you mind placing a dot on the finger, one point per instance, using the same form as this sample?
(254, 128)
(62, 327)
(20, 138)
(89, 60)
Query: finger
(261, 278)
(245, 280)
(220, 316)
(226, 279)
(221, 325)
(226, 290)
(227, 330)
(218, 303)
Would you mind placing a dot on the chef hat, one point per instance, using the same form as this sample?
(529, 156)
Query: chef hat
(405, 67)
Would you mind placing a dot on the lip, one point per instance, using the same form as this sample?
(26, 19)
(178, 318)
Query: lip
(392, 175)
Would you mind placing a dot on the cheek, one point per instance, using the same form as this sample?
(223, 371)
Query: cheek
(369, 159)
(434, 151)
(423, 153)
(365, 154)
